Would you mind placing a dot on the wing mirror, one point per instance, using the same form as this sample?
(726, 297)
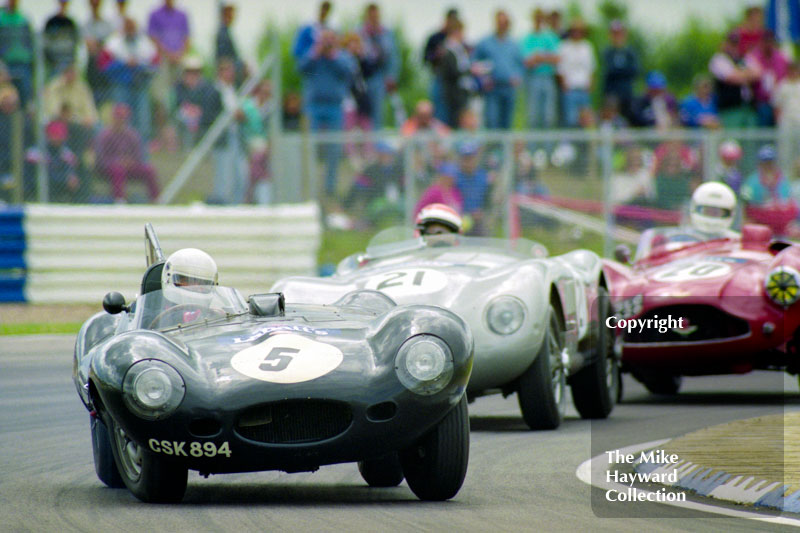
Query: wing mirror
(268, 304)
(114, 303)
(622, 253)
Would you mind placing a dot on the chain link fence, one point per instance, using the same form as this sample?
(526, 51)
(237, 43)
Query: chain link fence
(568, 189)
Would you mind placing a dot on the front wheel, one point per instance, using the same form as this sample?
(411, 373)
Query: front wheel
(659, 383)
(149, 477)
(541, 390)
(103, 455)
(435, 466)
(385, 471)
(596, 387)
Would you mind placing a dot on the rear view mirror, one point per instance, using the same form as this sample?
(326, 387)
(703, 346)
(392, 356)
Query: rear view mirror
(114, 303)
(622, 253)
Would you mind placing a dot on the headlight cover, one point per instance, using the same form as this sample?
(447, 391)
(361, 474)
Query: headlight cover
(629, 307)
(782, 285)
(505, 315)
(424, 364)
(152, 389)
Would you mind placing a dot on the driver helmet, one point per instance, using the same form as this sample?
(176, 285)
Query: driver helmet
(189, 277)
(713, 207)
(440, 214)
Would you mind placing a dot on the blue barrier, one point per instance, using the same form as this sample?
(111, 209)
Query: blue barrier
(12, 255)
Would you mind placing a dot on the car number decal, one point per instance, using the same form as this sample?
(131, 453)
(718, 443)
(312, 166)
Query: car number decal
(407, 282)
(186, 449)
(692, 271)
(287, 358)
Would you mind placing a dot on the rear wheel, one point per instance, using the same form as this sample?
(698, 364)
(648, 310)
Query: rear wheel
(149, 477)
(541, 389)
(103, 455)
(658, 382)
(596, 387)
(435, 467)
(385, 471)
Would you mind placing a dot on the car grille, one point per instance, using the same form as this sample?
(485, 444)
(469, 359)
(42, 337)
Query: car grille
(705, 322)
(294, 421)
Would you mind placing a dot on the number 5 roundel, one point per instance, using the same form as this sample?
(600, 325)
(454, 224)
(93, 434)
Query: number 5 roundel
(287, 358)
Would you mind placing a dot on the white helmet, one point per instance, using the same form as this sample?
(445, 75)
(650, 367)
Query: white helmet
(189, 277)
(713, 207)
(439, 214)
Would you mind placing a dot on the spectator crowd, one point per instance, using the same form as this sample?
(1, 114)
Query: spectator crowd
(115, 93)
(119, 91)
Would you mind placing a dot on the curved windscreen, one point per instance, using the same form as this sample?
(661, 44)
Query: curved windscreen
(155, 311)
(397, 241)
(664, 240)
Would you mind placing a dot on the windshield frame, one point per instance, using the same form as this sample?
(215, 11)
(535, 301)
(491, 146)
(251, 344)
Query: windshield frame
(226, 302)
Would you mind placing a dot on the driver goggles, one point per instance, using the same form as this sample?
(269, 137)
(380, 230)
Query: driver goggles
(711, 211)
(193, 284)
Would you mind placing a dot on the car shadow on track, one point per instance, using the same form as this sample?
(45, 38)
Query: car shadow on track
(499, 423)
(200, 492)
(710, 398)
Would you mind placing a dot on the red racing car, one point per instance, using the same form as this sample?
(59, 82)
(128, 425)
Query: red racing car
(691, 304)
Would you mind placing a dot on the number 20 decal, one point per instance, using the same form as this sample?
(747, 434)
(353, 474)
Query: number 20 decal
(691, 271)
(287, 358)
(402, 282)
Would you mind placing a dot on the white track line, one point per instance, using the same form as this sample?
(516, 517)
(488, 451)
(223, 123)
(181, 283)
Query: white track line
(599, 464)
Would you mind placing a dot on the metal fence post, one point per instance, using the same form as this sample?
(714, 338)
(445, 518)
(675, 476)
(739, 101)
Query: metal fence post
(17, 149)
(276, 123)
(410, 197)
(607, 151)
(507, 177)
(42, 181)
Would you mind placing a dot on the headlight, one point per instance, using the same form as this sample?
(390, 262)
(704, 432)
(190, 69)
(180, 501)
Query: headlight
(783, 285)
(629, 307)
(424, 364)
(152, 389)
(505, 315)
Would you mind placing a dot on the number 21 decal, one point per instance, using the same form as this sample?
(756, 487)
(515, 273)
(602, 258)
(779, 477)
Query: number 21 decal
(287, 358)
(415, 281)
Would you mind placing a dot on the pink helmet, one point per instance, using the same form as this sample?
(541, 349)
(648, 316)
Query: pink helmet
(439, 214)
(730, 150)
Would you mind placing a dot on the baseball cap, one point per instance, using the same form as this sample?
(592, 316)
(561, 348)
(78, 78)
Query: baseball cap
(192, 62)
(468, 148)
(56, 130)
(384, 147)
(656, 80)
(447, 168)
(767, 153)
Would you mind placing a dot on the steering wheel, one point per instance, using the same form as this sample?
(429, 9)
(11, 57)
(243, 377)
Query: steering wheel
(182, 308)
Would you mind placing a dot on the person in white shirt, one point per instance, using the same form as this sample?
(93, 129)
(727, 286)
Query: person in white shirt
(786, 102)
(576, 67)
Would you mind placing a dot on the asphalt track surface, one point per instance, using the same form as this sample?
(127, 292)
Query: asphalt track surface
(518, 480)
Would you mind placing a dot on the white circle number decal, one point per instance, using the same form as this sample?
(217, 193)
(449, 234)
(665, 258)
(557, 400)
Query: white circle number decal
(287, 358)
(692, 271)
(408, 282)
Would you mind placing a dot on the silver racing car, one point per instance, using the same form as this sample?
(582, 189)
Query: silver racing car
(538, 321)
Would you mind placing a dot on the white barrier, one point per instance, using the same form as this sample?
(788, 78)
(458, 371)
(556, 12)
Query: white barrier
(78, 253)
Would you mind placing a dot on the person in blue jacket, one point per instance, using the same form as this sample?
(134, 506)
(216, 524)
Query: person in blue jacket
(327, 73)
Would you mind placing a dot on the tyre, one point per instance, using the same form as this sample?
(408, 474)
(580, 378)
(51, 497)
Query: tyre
(541, 389)
(435, 467)
(595, 388)
(104, 463)
(385, 471)
(659, 383)
(149, 477)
